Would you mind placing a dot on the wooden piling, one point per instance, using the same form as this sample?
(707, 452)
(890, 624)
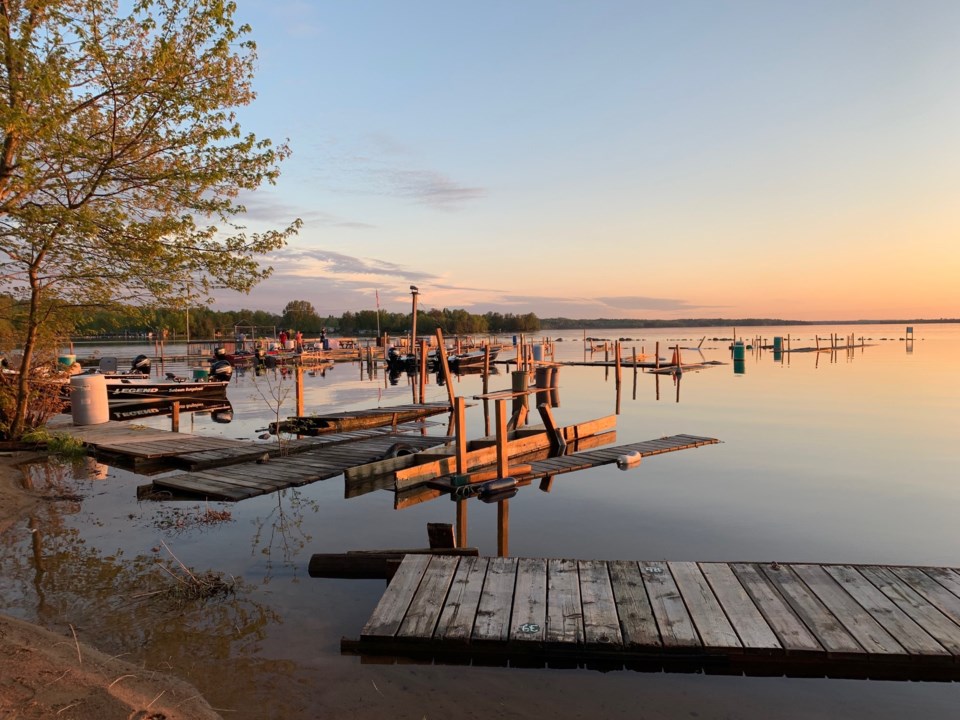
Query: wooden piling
(617, 356)
(175, 416)
(444, 366)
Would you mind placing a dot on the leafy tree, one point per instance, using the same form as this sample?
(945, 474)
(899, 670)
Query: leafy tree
(299, 314)
(121, 159)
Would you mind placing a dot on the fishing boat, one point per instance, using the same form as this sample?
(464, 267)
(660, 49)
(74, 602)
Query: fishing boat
(171, 387)
(136, 382)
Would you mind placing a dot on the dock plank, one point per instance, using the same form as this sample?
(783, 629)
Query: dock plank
(390, 611)
(564, 609)
(711, 622)
(792, 634)
(637, 625)
(922, 581)
(745, 617)
(456, 619)
(938, 625)
(677, 630)
(829, 631)
(529, 621)
(858, 622)
(908, 634)
(424, 610)
(601, 625)
(492, 623)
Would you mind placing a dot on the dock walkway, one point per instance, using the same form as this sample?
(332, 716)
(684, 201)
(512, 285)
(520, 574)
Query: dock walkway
(321, 459)
(813, 620)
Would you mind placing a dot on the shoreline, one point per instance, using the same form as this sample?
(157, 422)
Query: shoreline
(46, 674)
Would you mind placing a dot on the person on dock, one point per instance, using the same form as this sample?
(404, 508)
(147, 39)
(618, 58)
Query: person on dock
(298, 340)
(282, 337)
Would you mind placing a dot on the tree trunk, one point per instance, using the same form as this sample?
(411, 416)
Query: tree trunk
(17, 426)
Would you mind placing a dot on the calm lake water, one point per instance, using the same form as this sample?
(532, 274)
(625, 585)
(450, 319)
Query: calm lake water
(846, 457)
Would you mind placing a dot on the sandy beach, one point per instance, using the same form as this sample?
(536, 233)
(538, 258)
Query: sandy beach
(45, 674)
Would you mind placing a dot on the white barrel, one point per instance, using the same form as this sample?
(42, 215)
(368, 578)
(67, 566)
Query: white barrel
(289, 344)
(88, 399)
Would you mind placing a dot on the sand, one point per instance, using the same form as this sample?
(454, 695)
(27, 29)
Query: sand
(48, 675)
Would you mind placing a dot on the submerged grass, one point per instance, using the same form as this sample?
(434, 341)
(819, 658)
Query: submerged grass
(185, 586)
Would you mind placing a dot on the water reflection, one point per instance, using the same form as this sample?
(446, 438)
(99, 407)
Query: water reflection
(852, 463)
(279, 537)
(119, 599)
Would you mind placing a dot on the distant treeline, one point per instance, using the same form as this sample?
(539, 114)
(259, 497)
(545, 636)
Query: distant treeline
(297, 315)
(300, 315)
(601, 323)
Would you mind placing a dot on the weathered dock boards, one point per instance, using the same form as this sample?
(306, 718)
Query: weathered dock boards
(594, 458)
(244, 480)
(136, 443)
(794, 619)
(358, 419)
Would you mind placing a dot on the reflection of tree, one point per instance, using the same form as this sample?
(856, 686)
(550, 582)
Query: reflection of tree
(281, 531)
(50, 573)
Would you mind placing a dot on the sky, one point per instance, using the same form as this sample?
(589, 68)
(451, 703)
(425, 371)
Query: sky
(793, 160)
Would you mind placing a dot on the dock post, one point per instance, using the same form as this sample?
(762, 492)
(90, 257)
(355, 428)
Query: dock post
(175, 416)
(618, 356)
(519, 385)
(444, 366)
(486, 368)
(656, 356)
(460, 425)
(501, 431)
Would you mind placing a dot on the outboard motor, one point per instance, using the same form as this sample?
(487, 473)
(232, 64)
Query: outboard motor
(221, 370)
(141, 365)
(220, 353)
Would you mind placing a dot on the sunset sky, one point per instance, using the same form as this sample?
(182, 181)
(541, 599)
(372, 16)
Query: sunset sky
(796, 160)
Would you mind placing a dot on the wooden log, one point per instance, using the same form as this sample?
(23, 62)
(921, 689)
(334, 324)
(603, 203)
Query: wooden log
(371, 564)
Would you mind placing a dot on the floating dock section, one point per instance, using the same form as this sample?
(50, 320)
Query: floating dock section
(814, 620)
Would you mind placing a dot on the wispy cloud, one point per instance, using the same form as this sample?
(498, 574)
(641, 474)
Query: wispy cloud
(298, 261)
(432, 188)
(382, 165)
(267, 207)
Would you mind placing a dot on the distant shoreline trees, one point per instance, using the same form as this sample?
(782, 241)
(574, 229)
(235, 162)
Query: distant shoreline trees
(301, 315)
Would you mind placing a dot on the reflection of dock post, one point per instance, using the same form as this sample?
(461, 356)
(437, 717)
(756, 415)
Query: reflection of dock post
(298, 381)
(423, 370)
(460, 414)
(503, 470)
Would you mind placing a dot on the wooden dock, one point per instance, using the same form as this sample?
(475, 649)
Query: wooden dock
(320, 461)
(358, 419)
(585, 460)
(814, 620)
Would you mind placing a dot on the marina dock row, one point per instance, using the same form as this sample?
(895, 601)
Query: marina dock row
(816, 620)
